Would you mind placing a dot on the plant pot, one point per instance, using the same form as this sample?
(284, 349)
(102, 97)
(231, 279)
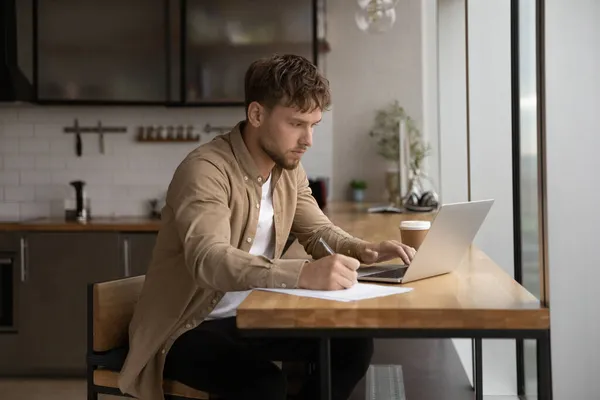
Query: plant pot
(392, 186)
(358, 195)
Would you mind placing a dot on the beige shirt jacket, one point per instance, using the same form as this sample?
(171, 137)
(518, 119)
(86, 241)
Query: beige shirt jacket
(202, 249)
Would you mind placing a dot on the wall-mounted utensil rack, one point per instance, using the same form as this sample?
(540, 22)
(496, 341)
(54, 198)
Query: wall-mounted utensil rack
(99, 129)
(167, 134)
(208, 128)
(169, 140)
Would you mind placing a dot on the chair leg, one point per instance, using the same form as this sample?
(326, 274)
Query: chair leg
(92, 395)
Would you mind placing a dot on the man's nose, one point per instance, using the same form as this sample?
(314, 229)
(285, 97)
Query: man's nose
(306, 139)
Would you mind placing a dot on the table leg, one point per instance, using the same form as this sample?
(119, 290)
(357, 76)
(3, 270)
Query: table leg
(544, 367)
(477, 368)
(325, 368)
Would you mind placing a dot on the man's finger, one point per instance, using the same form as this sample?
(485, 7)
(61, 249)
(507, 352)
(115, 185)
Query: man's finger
(349, 274)
(403, 254)
(344, 282)
(349, 262)
(370, 256)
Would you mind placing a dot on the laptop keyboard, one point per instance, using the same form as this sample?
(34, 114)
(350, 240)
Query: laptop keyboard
(392, 273)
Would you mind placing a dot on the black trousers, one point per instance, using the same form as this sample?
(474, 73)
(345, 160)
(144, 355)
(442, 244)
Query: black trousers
(215, 358)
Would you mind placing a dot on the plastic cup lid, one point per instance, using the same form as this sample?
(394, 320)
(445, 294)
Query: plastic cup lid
(415, 225)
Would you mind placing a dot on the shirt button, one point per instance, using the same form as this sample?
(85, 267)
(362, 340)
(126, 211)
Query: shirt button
(257, 205)
(245, 177)
(163, 351)
(259, 179)
(189, 326)
(249, 240)
(283, 285)
(214, 301)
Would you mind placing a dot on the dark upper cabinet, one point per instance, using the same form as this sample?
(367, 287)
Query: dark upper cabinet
(169, 52)
(221, 38)
(108, 51)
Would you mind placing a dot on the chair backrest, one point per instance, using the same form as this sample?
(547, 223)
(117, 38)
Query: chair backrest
(111, 305)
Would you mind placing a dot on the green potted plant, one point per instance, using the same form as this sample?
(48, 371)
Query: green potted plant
(358, 190)
(386, 130)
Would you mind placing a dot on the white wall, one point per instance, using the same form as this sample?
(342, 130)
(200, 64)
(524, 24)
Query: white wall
(573, 195)
(491, 161)
(430, 89)
(367, 72)
(476, 152)
(452, 101)
(453, 121)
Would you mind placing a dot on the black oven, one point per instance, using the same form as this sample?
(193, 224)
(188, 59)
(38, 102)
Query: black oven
(7, 290)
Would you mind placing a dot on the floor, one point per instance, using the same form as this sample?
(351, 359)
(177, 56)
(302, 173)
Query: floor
(431, 370)
(75, 390)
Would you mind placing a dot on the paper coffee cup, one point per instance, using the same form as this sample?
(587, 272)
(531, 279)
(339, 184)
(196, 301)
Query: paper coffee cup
(412, 233)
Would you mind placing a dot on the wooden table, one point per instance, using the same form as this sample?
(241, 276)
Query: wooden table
(479, 300)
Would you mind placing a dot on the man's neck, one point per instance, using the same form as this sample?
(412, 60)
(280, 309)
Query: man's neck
(263, 162)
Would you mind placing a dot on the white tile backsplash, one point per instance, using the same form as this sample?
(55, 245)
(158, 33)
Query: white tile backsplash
(9, 178)
(17, 130)
(37, 159)
(9, 211)
(34, 177)
(28, 210)
(19, 193)
(19, 162)
(34, 145)
(9, 145)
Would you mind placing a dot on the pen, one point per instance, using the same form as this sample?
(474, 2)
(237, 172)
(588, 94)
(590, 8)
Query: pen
(327, 248)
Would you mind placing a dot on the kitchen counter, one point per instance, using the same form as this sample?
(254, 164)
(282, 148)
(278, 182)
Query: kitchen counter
(348, 214)
(98, 224)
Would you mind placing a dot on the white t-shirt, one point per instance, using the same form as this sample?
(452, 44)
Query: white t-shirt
(263, 245)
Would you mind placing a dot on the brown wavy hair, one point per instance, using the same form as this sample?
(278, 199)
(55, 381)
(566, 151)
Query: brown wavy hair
(287, 80)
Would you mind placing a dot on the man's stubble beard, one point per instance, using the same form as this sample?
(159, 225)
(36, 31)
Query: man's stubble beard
(278, 159)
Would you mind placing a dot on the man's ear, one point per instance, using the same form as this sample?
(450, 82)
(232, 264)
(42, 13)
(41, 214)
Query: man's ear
(256, 114)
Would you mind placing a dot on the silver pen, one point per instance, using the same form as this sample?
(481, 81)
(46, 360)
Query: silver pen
(327, 248)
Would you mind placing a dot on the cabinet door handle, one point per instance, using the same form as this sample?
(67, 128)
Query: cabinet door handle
(127, 268)
(24, 271)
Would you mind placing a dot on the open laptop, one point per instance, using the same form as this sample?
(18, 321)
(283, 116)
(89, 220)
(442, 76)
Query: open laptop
(451, 233)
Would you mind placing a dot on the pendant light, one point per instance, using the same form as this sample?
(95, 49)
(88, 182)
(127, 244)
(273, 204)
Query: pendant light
(375, 16)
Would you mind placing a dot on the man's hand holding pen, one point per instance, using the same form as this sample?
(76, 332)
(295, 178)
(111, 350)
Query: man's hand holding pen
(336, 271)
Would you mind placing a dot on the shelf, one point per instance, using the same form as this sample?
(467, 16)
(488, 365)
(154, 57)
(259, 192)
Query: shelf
(184, 140)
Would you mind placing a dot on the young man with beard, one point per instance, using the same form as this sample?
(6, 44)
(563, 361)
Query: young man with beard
(229, 209)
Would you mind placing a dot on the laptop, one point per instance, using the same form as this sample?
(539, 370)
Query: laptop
(451, 233)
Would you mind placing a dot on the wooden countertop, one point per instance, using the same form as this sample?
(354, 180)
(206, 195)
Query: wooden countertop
(479, 295)
(346, 210)
(100, 224)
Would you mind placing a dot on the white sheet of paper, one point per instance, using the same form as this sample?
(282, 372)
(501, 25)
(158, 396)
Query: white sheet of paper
(359, 291)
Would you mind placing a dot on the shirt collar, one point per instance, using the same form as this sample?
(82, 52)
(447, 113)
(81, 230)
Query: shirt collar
(244, 158)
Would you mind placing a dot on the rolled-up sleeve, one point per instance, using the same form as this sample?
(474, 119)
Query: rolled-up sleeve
(198, 197)
(310, 224)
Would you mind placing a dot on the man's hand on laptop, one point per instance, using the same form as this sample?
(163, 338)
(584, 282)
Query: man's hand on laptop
(385, 251)
(335, 272)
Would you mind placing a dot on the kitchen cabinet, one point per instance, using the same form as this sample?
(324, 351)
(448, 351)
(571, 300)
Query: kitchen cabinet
(9, 241)
(163, 52)
(51, 310)
(107, 52)
(222, 38)
(137, 252)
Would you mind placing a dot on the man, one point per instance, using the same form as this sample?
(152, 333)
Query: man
(229, 209)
